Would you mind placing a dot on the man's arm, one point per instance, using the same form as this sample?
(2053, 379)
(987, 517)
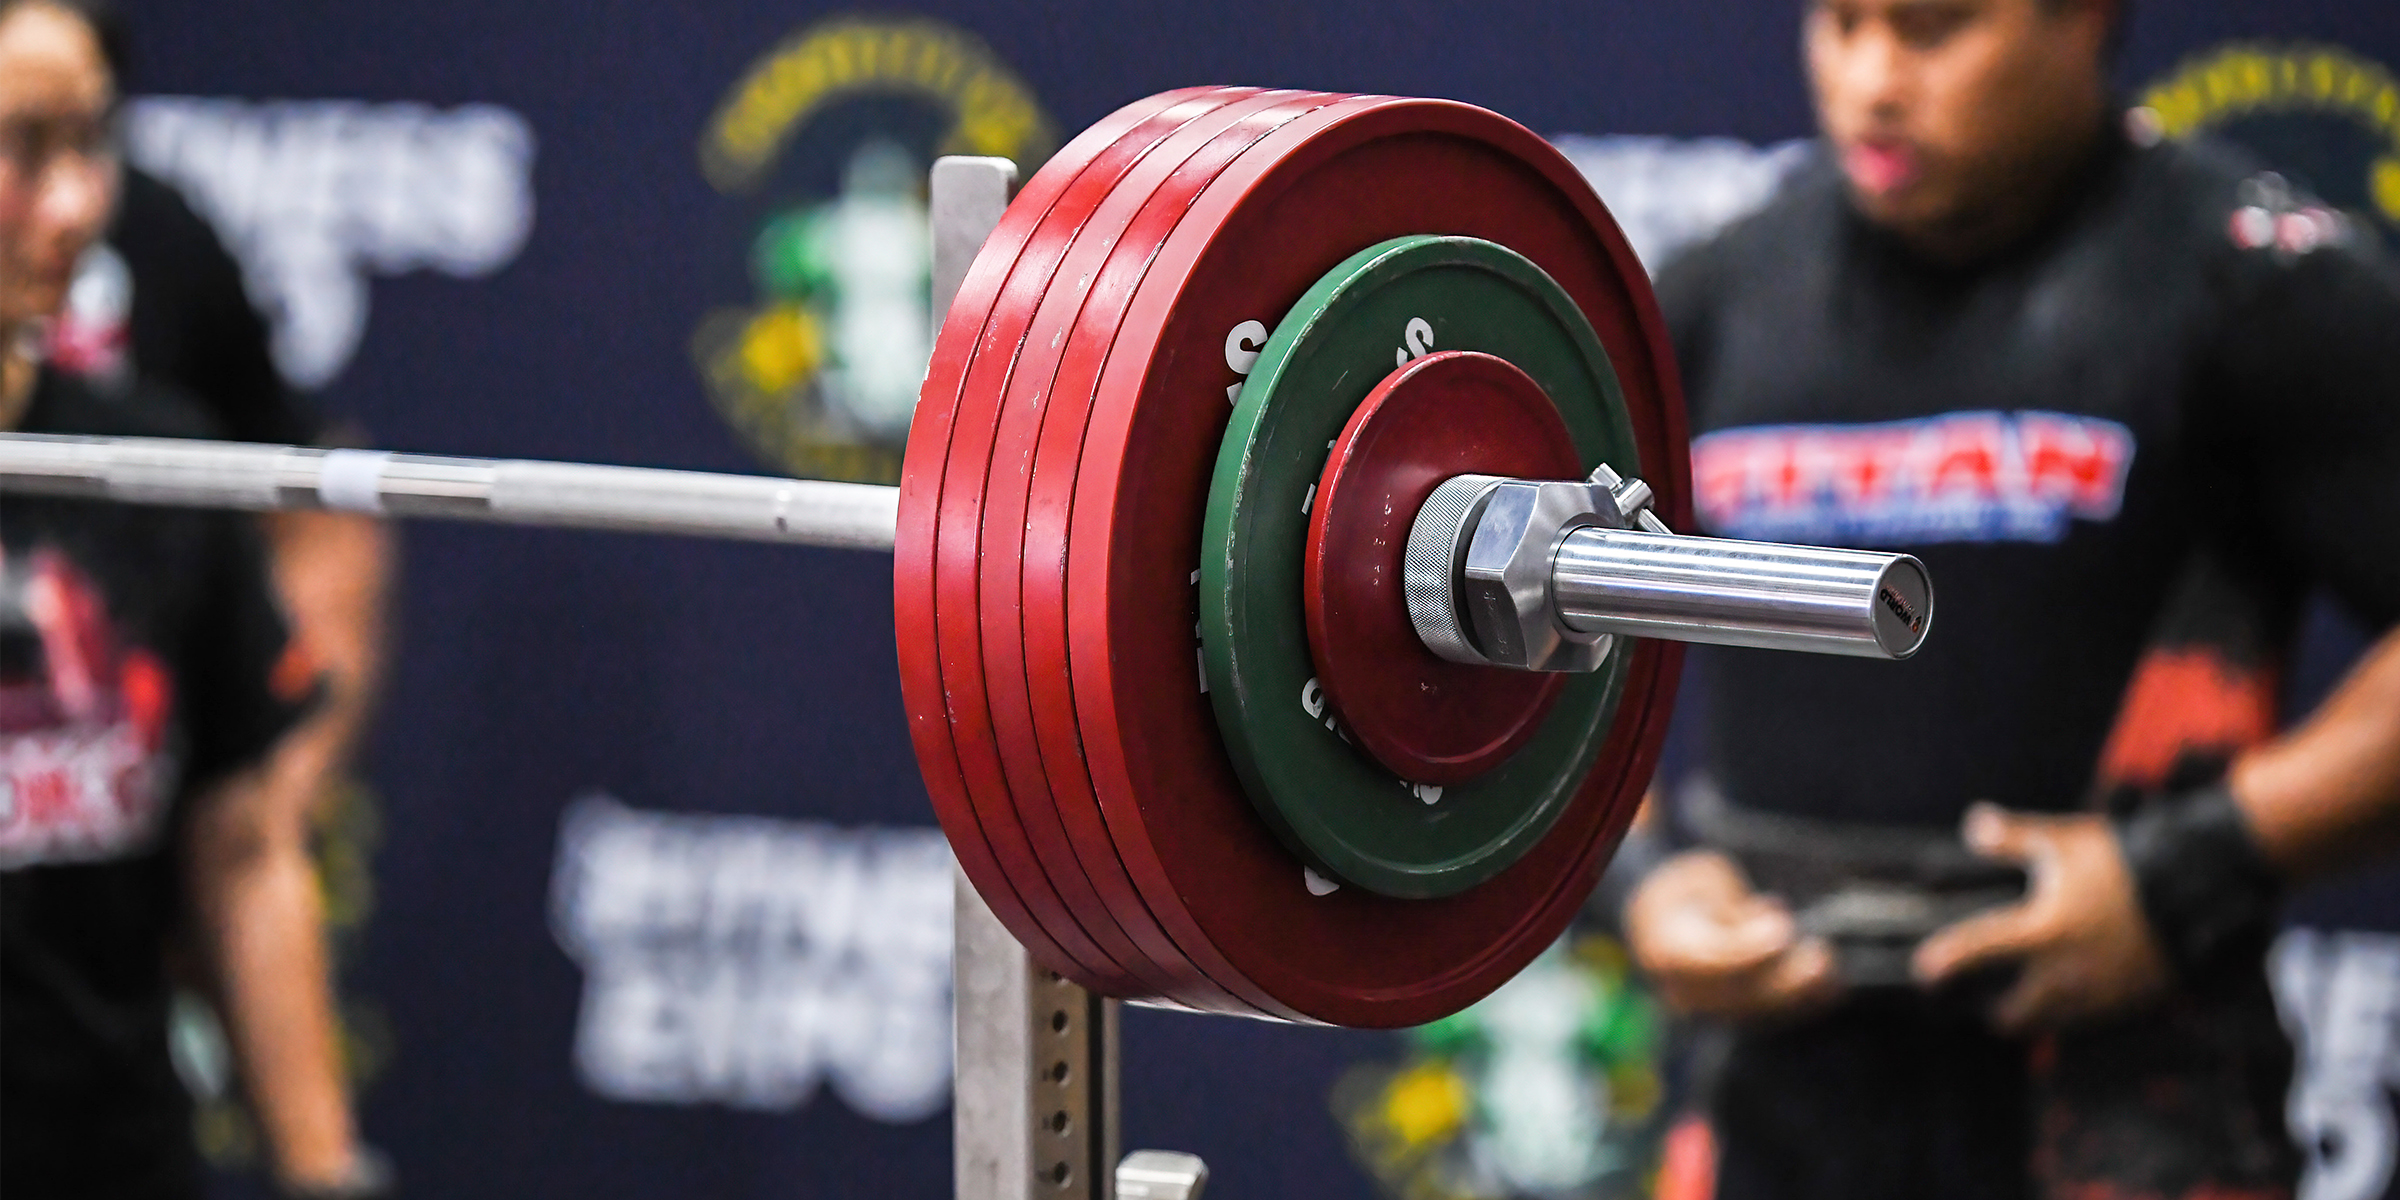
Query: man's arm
(2306, 428)
(2328, 794)
(2325, 796)
(261, 928)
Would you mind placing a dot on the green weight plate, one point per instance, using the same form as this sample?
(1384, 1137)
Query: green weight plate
(1327, 800)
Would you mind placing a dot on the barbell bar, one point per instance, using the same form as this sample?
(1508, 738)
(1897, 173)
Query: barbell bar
(1077, 521)
(265, 478)
(1595, 579)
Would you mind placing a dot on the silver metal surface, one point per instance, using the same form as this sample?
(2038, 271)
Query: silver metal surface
(1633, 499)
(1731, 593)
(1504, 585)
(1477, 571)
(1537, 574)
(1436, 555)
(966, 197)
(245, 475)
(1161, 1175)
(1034, 1113)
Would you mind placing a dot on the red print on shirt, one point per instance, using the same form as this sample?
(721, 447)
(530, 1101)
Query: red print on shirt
(83, 720)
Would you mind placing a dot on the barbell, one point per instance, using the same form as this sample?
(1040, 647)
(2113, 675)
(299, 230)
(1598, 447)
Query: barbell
(1284, 562)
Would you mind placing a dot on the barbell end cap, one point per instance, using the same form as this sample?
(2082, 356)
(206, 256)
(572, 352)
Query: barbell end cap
(1903, 607)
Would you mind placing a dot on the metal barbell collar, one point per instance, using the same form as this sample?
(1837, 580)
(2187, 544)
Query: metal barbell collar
(1523, 573)
(1537, 574)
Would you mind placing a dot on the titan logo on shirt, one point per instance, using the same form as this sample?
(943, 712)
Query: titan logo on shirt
(1958, 477)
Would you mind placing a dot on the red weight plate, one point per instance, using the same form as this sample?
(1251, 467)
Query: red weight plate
(1449, 413)
(1293, 207)
(1050, 503)
(920, 494)
(1081, 307)
(1005, 391)
(1058, 891)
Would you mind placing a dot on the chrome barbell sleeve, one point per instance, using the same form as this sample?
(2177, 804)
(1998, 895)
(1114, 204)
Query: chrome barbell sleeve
(1731, 593)
(1538, 574)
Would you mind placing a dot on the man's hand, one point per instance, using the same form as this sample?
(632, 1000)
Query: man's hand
(1714, 947)
(2079, 937)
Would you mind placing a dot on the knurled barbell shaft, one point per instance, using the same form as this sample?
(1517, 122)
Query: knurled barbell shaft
(515, 491)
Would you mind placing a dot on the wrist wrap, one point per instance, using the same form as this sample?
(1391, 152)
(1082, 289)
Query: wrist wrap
(2209, 894)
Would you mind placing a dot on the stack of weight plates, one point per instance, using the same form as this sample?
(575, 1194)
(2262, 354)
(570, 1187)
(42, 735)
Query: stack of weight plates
(1164, 786)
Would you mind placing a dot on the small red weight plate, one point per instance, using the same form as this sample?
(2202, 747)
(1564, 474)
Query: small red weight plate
(1449, 413)
(1289, 210)
(1045, 403)
(981, 575)
(920, 495)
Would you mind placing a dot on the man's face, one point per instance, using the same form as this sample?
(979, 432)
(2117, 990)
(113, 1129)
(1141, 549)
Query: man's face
(1938, 108)
(57, 173)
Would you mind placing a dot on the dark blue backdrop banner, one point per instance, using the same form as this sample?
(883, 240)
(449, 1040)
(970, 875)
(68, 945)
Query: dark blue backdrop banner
(655, 908)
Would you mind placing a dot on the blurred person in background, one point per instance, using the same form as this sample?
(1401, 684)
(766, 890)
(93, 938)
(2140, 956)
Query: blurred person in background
(2129, 400)
(159, 297)
(161, 737)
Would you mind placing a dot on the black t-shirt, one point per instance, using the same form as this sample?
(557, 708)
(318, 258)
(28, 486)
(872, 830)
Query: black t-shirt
(160, 299)
(2187, 360)
(142, 659)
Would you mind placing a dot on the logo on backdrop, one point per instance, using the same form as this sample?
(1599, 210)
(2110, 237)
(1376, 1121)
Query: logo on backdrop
(743, 960)
(312, 196)
(1548, 1087)
(2323, 115)
(1668, 193)
(1959, 477)
(821, 151)
(2340, 996)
